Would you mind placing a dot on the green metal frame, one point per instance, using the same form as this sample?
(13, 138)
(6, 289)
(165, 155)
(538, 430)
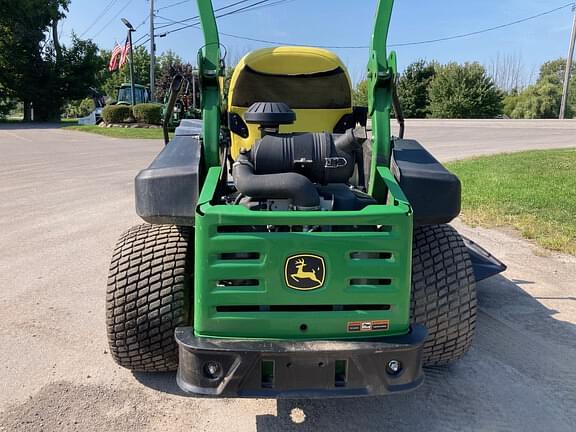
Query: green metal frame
(382, 71)
(391, 233)
(348, 280)
(210, 70)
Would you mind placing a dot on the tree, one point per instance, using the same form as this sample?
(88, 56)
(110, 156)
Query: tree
(464, 91)
(23, 28)
(554, 70)
(7, 102)
(506, 71)
(360, 94)
(79, 108)
(37, 70)
(542, 99)
(413, 89)
(70, 72)
(79, 68)
(167, 59)
(141, 66)
(170, 64)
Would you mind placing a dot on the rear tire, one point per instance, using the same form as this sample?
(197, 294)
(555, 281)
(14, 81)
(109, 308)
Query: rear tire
(149, 295)
(443, 293)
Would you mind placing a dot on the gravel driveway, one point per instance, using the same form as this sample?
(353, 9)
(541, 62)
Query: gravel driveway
(65, 197)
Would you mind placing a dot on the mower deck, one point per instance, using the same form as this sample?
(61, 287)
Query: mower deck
(299, 369)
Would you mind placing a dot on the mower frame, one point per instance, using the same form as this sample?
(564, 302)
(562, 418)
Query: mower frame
(382, 71)
(208, 286)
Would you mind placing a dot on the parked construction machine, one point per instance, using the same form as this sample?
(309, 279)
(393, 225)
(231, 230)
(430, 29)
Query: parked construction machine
(124, 94)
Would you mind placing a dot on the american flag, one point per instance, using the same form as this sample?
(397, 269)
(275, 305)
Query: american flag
(116, 53)
(125, 52)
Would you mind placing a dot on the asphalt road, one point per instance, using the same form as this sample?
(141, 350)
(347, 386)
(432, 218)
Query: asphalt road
(65, 197)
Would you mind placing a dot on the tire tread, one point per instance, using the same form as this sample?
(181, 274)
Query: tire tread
(443, 293)
(149, 285)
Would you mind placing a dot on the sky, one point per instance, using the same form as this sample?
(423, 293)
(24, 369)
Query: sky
(346, 23)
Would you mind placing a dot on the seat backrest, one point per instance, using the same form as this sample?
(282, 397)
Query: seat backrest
(312, 81)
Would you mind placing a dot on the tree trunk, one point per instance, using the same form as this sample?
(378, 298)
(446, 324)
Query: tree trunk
(57, 46)
(27, 111)
(53, 113)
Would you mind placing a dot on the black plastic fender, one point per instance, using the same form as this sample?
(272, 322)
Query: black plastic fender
(433, 192)
(167, 191)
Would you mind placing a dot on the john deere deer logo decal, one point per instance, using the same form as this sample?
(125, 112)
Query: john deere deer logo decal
(305, 272)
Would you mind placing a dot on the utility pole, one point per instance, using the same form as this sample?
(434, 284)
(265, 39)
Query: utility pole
(568, 69)
(194, 75)
(152, 54)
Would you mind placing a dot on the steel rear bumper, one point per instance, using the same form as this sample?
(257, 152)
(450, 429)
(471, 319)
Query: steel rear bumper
(298, 369)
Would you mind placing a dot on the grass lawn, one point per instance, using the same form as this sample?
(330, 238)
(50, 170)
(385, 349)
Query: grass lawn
(135, 133)
(534, 192)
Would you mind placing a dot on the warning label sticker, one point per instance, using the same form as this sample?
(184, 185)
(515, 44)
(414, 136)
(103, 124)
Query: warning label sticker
(368, 326)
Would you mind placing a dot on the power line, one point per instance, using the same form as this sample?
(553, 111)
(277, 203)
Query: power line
(244, 9)
(163, 18)
(248, 8)
(113, 18)
(404, 44)
(276, 3)
(99, 17)
(142, 23)
(173, 5)
(185, 20)
(142, 37)
(142, 43)
(489, 29)
(171, 21)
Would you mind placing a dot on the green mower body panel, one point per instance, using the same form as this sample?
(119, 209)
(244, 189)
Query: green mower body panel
(249, 296)
(243, 288)
(366, 254)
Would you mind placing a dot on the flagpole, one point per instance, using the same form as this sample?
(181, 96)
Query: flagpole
(132, 68)
(130, 30)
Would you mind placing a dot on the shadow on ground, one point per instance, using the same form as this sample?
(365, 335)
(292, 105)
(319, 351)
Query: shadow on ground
(160, 381)
(519, 376)
(16, 125)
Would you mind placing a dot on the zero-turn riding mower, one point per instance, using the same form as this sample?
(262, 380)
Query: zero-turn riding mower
(288, 254)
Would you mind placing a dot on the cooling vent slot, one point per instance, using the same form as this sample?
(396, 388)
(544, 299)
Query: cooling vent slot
(301, 308)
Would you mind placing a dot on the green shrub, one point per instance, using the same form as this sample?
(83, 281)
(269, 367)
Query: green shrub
(117, 113)
(6, 107)
(86, 106)
(79, 108)
(148, 113)
(464, 91)
(6, 103)
(413, 87)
